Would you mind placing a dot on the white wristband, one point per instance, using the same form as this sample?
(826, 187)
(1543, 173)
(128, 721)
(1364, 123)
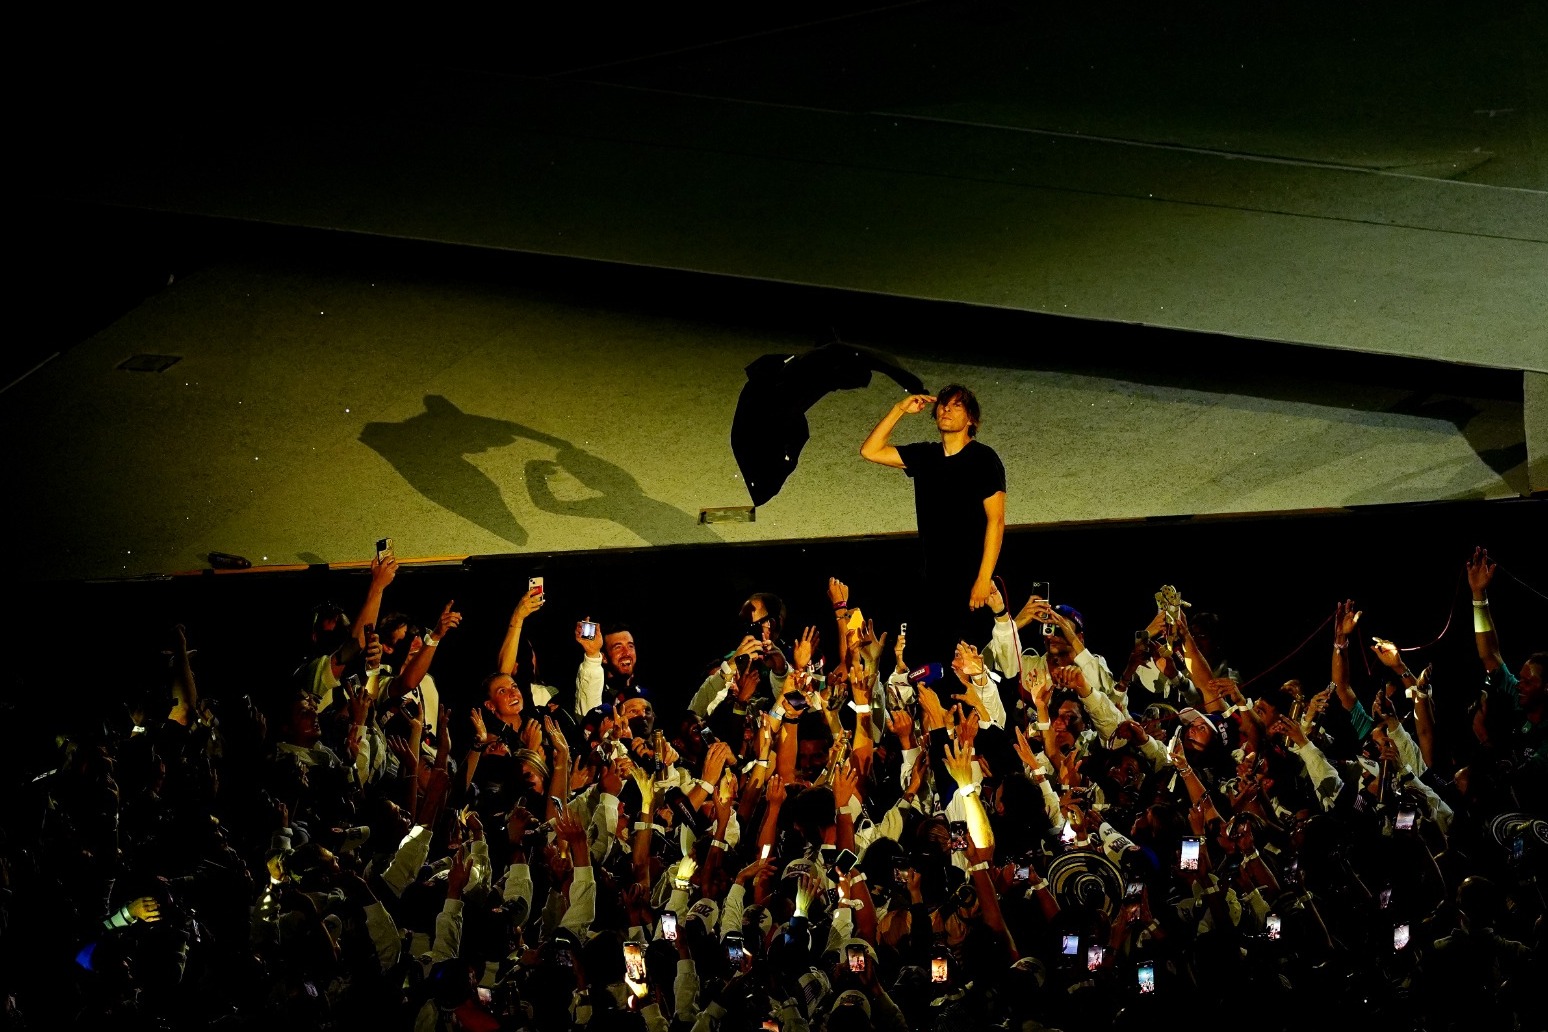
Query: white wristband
(430, 640)
(967, 790)
(860, 709)
(982, 865)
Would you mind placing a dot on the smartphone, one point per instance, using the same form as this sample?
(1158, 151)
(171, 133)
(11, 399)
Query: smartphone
(669, 925)
(1070, 945)
(1190, 855)
(1044, 591)
(1023, 872)
(1133, 891)
(535, 582)
(485, 995)
(845, 861)
(563, 957)
(1094, 957)
(959, 835)
(634, 961)
(383, 548)
(1386, 897)
(1400, 936)
(736, 949)
(856, 959)
(939, 969)
(1067, 833)
(763, 854)
(1273, 927)
(900, 877)
(1405, 820)
(589, 630)
(903, 628)
(1145, 974)
(795, 701)
(856, 619)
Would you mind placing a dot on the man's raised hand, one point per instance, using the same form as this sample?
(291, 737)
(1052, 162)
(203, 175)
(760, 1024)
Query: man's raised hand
(915, 404)
(1480, 571)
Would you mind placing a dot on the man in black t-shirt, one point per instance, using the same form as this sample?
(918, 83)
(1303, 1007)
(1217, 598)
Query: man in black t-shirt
(959, 499)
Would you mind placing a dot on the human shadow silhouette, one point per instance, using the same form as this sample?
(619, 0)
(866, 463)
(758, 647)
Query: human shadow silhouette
(430, 449)
(621, 500)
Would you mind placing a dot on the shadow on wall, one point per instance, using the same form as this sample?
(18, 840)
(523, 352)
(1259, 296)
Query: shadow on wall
(430, 451)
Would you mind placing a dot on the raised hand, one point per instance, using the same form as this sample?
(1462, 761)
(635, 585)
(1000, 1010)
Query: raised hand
(902, 725)
(931, 711)
(846, 783)
(383, 569)
(959, 763)
(1345, 619)
(480, 732)
(591, 646)
(775, 792)
(447, 620)
(715, 761)
(1037, 685)
(146, 908)
(760, 868)
(1388, 654)
(1480, 572)
(801, 653)
(1070, 677)
(530, 603)
(838, 593)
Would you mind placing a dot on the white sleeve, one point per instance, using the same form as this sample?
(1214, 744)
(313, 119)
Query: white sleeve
(1094, 667)
(518, 886)
(731, 910)
(603, 826)
(588, 685)
(1104, 714)
(583, 904)
(409, 858)
(384, 935)
(448, 932)
(1004, 648)
(1408, 750)
(685, 990)
(704, 698)
(910, 757)
(1324, 778)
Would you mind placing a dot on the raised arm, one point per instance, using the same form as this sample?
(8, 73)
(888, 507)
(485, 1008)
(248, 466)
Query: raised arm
(1480, 572)
(383, 569)
(1345, 619)
(876, 449)
(530, 603)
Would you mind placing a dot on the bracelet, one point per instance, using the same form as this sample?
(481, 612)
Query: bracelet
(839, 607)
(647, 826)
(1479, 603)
(704, 785)
(718, 844)
(860, 708)
(760, 763)
(999, 614)
(1340, 646)
(739, 711)
(1043, 725)
(982, 865)
(678, 884)
(857, 877)
(430, 640)
(967, 790)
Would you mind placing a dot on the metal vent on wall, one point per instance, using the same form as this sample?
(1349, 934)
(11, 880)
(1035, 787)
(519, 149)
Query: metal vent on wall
(150, 363)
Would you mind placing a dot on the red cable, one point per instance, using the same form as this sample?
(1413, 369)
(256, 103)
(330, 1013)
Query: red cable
(1315, 631)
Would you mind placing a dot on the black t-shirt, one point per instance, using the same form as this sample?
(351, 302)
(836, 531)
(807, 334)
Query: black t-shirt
(949, 493)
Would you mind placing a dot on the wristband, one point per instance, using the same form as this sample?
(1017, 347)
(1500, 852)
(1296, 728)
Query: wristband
(1043, 725)
(1082, 842)
(982, 865)
(704, 785)
(857, 877)
(1150, 929)
(1480, 603)
(839, 607)
(760, 763)
(430, 640)
(1482, 622)
(858, 708)
(1037, 886)
(647, 826)
(1249, 857)
(718, 844)
(998, 615)
(740, 711)
(1212, 890)
(680, 884)
(1340, 646)
(967, 790)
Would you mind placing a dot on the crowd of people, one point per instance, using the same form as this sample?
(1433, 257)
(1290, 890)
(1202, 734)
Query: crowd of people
(835, 833)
